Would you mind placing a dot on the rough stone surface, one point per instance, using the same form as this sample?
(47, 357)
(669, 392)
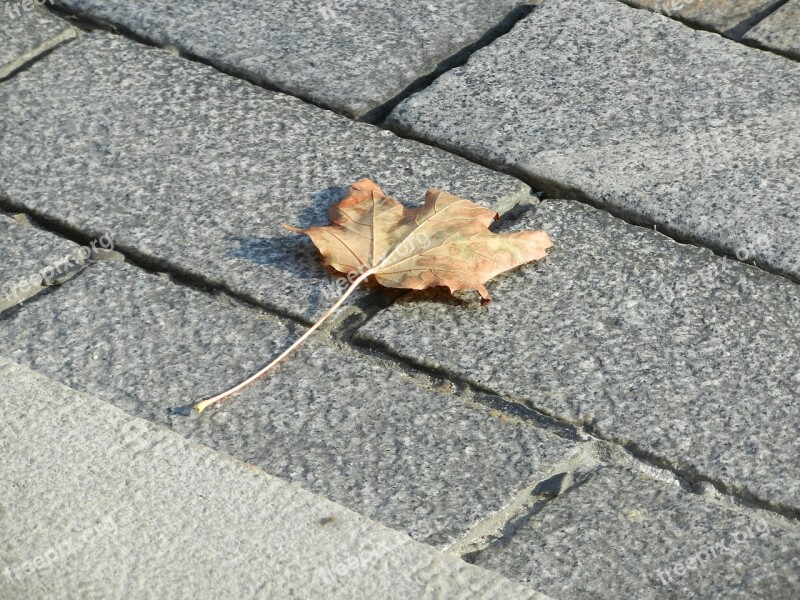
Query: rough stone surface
(196, 171)
(350, 55)
(31, 259)
(98, 504)
(684, 355)
(780, 31)
(623, 534)
(731, 18)
(423, 461)
(26, 33)
(638, 113)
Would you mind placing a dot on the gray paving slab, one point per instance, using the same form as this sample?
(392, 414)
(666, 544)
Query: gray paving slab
(780, 31)
(349, 55)
(32, 259)
(639, 114)
(624, 534)
(98, 504)
(420, 460)
(731, 18)
(27, 31)
(667, 348)
(195, 171)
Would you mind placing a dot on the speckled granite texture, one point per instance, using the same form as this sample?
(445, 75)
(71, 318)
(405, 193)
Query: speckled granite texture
(664, 347)
(95, 503)
(197, 171)
(420, 460)
(349, 55)
(27, 31)
(623, 534)
(639, 114)
(780, 31)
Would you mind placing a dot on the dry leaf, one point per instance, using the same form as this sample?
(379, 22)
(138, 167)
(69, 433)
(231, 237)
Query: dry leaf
(445, 242)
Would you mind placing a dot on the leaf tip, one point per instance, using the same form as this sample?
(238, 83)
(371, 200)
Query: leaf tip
(484, 293)
(292, 228)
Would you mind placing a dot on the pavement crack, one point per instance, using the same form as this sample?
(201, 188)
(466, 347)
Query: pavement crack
(498, 529)
(33, 56)
(546, 189)
(378, 115)
(736, 33)
(690, 479)
(740, 29)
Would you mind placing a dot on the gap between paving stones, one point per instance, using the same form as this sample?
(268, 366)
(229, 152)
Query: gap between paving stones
(342, 330)
(374, 116)
(553, 190)
(379, 114)
(770, 35)
(31, 57)
(695, 481)
(355, 323)
(44, 272)
(497, 531)
(529, 501)
(740, 40)
(547, 189)
(354, 314)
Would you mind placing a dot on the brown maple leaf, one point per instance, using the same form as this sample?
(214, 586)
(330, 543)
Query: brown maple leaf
(445, 242)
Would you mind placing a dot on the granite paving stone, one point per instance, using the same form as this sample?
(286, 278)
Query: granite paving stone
(98, 504)
(27, 31)
(639, 114)
(780, 31)
(731, 18)
(349, 55)
(624, 534)
(423, 461)
(32, 259)
(194, 171)
(675, 352)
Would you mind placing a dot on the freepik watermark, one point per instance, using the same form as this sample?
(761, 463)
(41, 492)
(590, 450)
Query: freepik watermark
(14, 10)
(339, 568)
(420, 242)
(61, 551)
(52, 272)
(696, 562)
(330, 9)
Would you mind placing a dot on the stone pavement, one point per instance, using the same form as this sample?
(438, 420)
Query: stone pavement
(780, 31)
(347, 55)
(215, 527)
(731, 19)
(26, 33)
(661, 124)
(621, 421)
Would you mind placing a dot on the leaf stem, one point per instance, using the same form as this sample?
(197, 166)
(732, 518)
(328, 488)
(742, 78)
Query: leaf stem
(201, 406)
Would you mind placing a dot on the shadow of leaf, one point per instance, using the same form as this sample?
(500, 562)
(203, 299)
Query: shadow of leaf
(287, 251)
